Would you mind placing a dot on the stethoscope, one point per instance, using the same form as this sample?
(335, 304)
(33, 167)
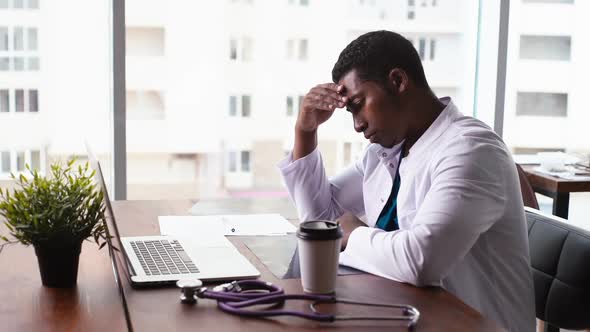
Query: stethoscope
(236, 296)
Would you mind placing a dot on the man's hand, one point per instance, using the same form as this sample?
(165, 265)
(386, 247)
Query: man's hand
(318, 106)
(349, 222)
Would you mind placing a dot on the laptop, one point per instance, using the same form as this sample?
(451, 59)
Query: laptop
(160, 260)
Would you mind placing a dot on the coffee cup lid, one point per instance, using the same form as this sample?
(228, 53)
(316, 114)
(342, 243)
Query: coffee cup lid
(319, 230)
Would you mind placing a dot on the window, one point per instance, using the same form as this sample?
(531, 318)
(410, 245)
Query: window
(36, 159)
(240, 106)
(3, 4)
(245, 161)
(4, 100)
(22, 48)
(5, 161)
(241, 158)
(289, 106)
(24, 100)
(3, 38)
(232, 161)
(241, 49)
(541, 104)
(432, 48)
(145, 41)
(233, 105)
(422, 48)
(303, 49)
(426, 48)
(297, 47)
(298, 2)
(545, 47)
(19, 100)
(245, 106)
(33, 101)
(293, 104)
(20, 161)
(233, 49)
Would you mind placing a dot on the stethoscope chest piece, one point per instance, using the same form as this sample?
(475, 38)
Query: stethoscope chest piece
(188, 290)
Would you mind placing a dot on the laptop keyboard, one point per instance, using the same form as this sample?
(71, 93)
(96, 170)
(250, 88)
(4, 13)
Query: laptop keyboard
(161, 257)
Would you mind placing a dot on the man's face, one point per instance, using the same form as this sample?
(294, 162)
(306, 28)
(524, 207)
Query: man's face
(374, 110)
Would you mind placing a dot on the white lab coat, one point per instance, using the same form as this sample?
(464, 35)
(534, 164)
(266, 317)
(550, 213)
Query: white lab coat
(460, 212)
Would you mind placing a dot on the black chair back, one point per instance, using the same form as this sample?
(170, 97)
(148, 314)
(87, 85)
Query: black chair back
(560, 260)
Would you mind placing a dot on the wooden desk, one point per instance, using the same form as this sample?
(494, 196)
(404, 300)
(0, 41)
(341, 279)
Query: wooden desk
(25, 305)
(161, 310)
(557, 188)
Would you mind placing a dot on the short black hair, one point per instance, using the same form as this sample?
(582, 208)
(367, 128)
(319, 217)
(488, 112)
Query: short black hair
(375, 54)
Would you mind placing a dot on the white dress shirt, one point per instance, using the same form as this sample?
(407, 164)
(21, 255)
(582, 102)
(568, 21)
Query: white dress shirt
(460, 213)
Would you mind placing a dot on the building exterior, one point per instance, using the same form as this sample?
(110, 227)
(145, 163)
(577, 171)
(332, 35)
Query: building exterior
(213, 88)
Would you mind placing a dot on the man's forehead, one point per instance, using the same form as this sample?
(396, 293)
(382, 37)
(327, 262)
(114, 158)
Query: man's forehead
(351, 82)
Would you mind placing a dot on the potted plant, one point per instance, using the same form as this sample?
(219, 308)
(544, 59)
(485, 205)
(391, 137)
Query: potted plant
(55, 214)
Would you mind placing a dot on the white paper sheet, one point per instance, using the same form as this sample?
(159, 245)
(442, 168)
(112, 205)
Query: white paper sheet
(249, 224)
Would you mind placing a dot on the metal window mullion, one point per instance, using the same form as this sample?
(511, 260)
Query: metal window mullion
(501, 68)
(119, 160)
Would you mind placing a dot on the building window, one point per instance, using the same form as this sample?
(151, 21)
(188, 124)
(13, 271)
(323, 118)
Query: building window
(293, 104)
(145, 41)
(16, 161)
(233, 106)
(19, 100)
(245, 161)
(24, 100)
(289, 106)
(297, 48)
(241, 158)
(5, 162)
(545, 47)
(33, 101)
(541, 104)
(245, 106)
(4, 100)
(20, 50)
(241, 49)
(240, 106)
(422, 48)
(232, 161)
(426, 48)
(432, 48)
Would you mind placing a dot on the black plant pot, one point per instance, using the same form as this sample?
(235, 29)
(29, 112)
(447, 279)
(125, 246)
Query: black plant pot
(58, 264)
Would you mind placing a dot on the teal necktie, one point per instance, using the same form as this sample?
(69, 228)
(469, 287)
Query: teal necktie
(387, 220)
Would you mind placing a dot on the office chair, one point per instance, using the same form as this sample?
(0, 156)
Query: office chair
(528, 194)
(560, 261)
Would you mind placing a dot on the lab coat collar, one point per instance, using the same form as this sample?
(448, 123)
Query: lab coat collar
(433, 132)
(437, 128)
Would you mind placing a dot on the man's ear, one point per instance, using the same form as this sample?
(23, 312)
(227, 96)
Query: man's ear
(397, 80)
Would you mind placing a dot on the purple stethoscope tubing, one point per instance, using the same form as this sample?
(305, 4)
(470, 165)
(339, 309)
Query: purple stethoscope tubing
(234, 297)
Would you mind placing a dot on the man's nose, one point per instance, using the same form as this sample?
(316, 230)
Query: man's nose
(359, 124)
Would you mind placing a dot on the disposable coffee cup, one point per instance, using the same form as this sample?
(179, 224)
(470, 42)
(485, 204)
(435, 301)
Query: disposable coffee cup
(319, 249)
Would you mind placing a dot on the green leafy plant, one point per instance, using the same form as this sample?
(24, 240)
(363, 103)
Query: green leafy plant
(63, 208)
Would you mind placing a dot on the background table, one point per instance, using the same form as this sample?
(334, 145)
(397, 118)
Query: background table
(557, 188)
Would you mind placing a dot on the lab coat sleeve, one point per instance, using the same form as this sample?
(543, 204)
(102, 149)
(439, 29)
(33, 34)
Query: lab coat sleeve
(318, 197)
(466, 198)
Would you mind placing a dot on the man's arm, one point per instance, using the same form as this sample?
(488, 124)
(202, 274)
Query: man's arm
(317, 107)
(465, 199)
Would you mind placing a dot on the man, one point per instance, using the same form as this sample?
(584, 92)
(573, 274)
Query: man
(438, 191)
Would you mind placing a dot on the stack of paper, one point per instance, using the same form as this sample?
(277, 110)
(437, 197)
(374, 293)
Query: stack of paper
(250, 224)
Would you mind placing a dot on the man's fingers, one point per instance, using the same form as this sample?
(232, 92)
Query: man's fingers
(329, 96)
(324, 102)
